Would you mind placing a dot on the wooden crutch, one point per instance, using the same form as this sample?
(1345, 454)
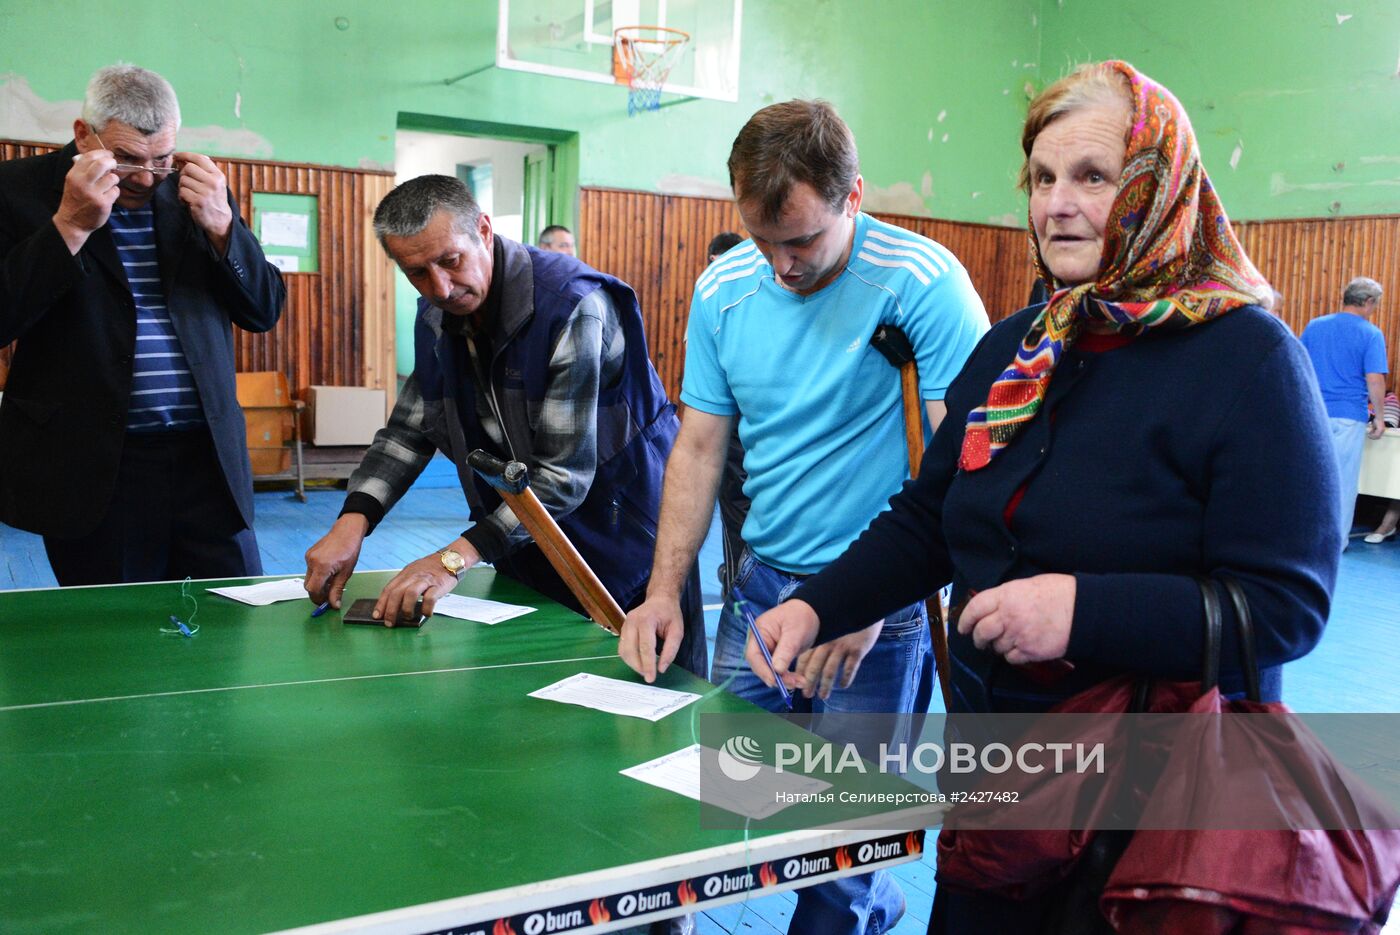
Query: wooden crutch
(511, 479)
(893, 343)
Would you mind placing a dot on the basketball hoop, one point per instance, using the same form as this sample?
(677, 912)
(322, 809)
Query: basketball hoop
(643, 57)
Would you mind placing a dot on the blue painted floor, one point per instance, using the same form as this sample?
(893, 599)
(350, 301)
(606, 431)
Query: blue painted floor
(1352, 670)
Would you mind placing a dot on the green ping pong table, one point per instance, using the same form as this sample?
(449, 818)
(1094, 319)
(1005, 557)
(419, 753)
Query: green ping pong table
(278, 772)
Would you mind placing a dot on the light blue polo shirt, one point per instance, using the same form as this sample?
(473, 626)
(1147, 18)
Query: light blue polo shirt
(819, 408)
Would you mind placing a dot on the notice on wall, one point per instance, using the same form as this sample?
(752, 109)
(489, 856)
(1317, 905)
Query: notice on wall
(284, 229)
(287, 264)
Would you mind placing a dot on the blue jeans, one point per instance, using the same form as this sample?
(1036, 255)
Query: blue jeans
(1348, 441)
(889, 681)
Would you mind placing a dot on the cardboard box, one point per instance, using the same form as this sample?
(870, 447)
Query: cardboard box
(343, 415)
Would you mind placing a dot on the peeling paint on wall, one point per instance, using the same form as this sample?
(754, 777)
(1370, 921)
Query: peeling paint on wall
(1009, 219)
(899, 198)
(1279, 185)
(926, 186)
(1235, 155)
(225, 142)
(693, 185)
(24, 115)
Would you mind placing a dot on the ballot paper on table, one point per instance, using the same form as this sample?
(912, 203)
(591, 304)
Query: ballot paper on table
(478, 609)
(616, 696)
(265, 592)
(756, 797)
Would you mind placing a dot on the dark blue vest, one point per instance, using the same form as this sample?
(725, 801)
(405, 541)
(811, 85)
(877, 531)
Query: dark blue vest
(614, 528)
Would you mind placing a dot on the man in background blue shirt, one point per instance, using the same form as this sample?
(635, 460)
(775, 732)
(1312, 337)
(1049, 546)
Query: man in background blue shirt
(1348, 353)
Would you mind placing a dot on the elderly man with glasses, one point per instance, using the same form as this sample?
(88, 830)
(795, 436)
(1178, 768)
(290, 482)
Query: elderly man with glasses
(123, 264)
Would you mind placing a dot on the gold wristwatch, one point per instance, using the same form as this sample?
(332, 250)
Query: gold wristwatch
(453, 562)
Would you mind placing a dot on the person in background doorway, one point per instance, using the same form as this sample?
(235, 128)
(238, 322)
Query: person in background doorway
(557, 238)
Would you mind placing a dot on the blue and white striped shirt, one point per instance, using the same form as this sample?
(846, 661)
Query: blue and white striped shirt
(163, 394)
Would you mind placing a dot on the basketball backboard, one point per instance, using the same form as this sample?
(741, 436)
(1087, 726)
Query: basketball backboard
(574, 39)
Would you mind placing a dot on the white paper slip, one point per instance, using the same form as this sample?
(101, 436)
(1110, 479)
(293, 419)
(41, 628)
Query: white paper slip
(764, 793)
(616, 696)
(284, 229)
(475, 608)
(266, 592)
(287, 264)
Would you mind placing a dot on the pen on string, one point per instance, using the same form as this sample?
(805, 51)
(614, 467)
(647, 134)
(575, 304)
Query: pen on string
(743, 608)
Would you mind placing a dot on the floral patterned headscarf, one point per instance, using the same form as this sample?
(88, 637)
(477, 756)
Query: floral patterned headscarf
(1170, 260)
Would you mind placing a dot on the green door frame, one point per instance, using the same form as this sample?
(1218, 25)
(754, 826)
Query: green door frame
(537, 200)
(563, 148)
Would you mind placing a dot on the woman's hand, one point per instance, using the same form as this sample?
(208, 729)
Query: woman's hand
(1026, 620)
(834, 664)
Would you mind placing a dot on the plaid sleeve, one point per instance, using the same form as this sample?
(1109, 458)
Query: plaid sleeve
(564, 448)
(397, 456)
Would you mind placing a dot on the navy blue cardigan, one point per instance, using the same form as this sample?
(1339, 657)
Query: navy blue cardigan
(1204, 451)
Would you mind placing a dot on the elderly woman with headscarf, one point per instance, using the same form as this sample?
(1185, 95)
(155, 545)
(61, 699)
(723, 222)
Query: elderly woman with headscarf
(1149, 424)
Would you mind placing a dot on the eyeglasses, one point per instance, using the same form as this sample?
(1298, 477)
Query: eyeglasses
(155, 168)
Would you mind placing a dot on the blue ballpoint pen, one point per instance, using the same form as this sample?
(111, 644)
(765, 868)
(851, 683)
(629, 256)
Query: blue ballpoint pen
(321, 608)
(743, 606)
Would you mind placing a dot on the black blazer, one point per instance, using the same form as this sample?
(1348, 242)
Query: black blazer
(63, 415)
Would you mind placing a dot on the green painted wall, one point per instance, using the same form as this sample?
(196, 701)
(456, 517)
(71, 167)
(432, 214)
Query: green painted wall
(1312, 103)
(280, 80)
(933, 88)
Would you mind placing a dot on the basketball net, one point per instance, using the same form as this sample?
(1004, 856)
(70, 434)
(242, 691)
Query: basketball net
(643, 57)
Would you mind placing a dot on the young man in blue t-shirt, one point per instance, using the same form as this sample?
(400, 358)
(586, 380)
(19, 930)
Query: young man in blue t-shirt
(1348, 353)
(779, 339)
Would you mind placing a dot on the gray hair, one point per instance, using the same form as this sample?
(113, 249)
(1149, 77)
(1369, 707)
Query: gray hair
(1360, 291)
(407, 209)
(141, 99)
(1091, 85)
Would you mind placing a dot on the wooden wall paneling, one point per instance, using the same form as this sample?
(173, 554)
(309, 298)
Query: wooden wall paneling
(995, 258)
(381, 369)
(663, 255)
(332, 314)
(338, 325)
(662, 251)
(1311, 260)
